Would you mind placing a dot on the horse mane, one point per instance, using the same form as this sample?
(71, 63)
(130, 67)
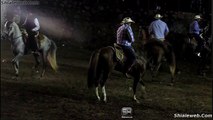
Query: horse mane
(7, 24)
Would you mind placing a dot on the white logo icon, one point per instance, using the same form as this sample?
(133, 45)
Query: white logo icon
(126, 112)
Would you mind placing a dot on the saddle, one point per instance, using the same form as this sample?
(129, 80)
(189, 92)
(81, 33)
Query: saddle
(39, 39)
(119, 53)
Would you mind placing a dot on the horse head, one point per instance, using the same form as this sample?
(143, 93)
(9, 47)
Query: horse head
(4, 33)
(7, 28)
(12, 30)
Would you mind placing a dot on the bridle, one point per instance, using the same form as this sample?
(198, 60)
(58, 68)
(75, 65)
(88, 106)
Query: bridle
(7, 29)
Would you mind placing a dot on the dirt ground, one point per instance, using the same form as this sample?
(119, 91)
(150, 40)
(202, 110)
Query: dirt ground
(64, 95)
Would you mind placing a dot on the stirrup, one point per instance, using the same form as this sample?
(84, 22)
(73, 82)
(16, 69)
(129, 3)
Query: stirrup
(35, 52)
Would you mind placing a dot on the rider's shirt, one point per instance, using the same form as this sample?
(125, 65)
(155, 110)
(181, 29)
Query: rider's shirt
(194, 27)
(158, 29)
(32, 24)
(125, 35)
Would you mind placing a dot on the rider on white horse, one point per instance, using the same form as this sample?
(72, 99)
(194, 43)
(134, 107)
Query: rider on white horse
(32, 27)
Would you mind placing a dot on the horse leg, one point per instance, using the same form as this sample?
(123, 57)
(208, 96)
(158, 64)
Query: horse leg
(15, 62)
(156, 65)
(136, 80)
(172, 67)
(105, 77)
(36, 56)
(16, 67)
(17, 57)
(152, 67)
(143, 89)
(172, 71)
(97, 84)
(134, 91)
(97, 93)
(44, 59)
(157, 68)
(159, 62)
(201, 66)
(104, 93)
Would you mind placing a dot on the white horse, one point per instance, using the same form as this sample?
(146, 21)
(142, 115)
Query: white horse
(47, 48)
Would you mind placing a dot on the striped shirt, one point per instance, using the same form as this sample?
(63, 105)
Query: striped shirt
(125, 35)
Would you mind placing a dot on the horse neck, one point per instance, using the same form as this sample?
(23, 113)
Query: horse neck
(16, 32)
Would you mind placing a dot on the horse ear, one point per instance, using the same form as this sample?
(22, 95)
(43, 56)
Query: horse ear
(5, 24)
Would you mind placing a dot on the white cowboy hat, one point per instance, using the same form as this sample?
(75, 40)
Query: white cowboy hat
(158, 16)
(127, 20)
(197, 17)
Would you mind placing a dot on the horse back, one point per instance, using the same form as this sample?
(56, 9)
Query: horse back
(153, 45)
(108, 53)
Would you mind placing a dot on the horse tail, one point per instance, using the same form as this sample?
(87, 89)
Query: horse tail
(92, 71)
(170, 55)
(52, 56)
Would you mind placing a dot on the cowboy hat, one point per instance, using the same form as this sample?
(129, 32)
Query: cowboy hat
(158, 16)
(197, 17)
(127, 20)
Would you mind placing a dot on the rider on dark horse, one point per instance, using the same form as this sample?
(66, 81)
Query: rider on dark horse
(32, 27)
(195, 32)
(158, 30)
(125, 38)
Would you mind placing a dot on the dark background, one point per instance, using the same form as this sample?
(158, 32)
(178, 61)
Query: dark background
(80, 26)
(91, 21)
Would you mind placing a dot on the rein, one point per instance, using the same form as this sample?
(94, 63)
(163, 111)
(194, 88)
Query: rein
(17, 37)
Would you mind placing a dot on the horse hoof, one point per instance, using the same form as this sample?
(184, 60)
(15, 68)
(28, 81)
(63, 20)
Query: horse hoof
(171, 84)
(105, 101)
(130, 88)
(14, 78)
(179, 72)
(137, 101)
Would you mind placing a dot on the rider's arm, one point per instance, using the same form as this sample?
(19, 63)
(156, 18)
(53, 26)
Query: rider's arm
(130, 34)
(196, 27)
(37, 25)
(166, 30)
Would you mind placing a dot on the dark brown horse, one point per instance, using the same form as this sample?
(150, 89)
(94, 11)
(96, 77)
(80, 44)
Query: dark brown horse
(184, 46)
(103, 62)
(157, 52)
